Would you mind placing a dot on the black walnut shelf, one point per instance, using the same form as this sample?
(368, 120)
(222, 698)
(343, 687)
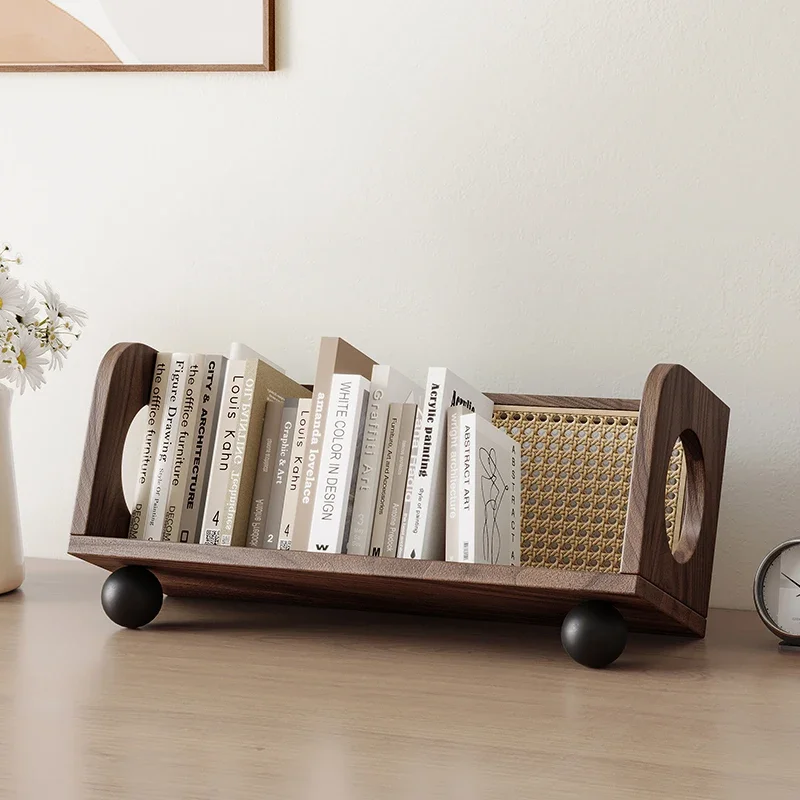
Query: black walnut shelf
(657, 587)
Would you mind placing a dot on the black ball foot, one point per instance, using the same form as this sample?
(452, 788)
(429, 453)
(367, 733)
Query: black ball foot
(132, 597)
(594, 634)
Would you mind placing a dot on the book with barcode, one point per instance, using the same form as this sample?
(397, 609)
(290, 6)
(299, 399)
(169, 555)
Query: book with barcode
(387, 386)
(249, 384)
(166, 448)
(289, 511)
(280, 481)
(202, 442)
(265, 475)
(424, 515)
(147, 462)
(337, 472)
(398, 493)
(186, 424)
(488, 531)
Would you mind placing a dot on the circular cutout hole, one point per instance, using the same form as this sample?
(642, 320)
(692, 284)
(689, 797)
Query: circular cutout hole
(685, 502)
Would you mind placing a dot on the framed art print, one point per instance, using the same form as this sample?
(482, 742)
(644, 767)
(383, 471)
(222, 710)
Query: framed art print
(181, 35)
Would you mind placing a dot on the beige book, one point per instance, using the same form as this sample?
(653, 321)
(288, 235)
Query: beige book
(397, 498)
(336, 356)
(265, 475)
(249, 385)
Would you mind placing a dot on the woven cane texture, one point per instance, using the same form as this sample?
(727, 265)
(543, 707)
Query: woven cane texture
(576, 474)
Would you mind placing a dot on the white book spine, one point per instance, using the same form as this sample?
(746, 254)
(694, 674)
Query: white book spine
(465, 551)
(202, 446)
(167, 442)
(425, 523)
(387, 386)
(295, 472)
(412, 475)
(222, 453)
(333, 502)
(452, 541)
(144, 477)
(187, 423)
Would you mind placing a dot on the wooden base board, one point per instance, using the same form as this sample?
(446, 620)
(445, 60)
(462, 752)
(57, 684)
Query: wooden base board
(512, 594)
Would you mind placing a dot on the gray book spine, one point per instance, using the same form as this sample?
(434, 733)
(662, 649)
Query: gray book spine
(351, 492)
(282, 472)
(397, 498)
(257, 527)
(385, 480)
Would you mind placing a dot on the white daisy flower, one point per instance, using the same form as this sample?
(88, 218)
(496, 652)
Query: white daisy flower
(57, 308)
(6, 259)
(27, 368)
(12, 299)
(30, 311)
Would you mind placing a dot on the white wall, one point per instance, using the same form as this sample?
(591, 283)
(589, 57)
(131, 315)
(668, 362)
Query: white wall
(546, 196)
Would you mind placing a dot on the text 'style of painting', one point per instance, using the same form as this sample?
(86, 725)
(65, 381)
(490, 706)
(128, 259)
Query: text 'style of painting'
(136, 34)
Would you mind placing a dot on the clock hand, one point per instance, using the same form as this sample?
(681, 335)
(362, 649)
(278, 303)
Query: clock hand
(789, 579)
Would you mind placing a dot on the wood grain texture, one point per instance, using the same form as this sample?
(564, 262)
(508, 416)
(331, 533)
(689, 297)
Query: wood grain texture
(523, 594)
(122, 388)
(269, 62)
(368, 706)
(554, 401)
(676, 404)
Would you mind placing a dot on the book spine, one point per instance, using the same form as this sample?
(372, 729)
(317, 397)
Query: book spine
(167, 440)
(282, 470)
(368, 468)
(344, 425)
(453, 482)
(265, 476)
(289, 512)
(187, 422)
(202, 446)
(397, 497)
(225, 440)
(385, 480)
(144, 477)
(468, 515)
(412, 476)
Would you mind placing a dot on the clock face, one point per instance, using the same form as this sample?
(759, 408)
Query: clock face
(780, 590)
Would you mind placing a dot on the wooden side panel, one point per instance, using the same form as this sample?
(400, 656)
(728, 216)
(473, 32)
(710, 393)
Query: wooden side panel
(122, 388)
(676, 404)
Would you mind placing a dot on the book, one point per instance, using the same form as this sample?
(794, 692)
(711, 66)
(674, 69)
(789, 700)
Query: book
(186, 425)
(454, 459)
(344, 431)
(282, 468)
(489, 494)
(387, 386)
(335, 356)
(265, 476)
(249, 384)
(289, 511)
(386, 480)
(424, 513)
(165, 451)
(213, 373)
(144, 477)
(397, 497)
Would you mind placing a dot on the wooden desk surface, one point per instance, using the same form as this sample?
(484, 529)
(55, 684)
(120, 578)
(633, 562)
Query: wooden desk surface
(228, 701)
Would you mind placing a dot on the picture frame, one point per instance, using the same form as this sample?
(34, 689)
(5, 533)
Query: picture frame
(115, 36)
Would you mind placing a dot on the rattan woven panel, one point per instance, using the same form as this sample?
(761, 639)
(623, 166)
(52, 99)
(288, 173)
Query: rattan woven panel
(576, 474)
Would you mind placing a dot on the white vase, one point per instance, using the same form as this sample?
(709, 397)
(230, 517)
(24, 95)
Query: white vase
(12, 568)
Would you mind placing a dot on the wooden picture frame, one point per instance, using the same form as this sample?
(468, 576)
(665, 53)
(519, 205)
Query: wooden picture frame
(267, 61)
